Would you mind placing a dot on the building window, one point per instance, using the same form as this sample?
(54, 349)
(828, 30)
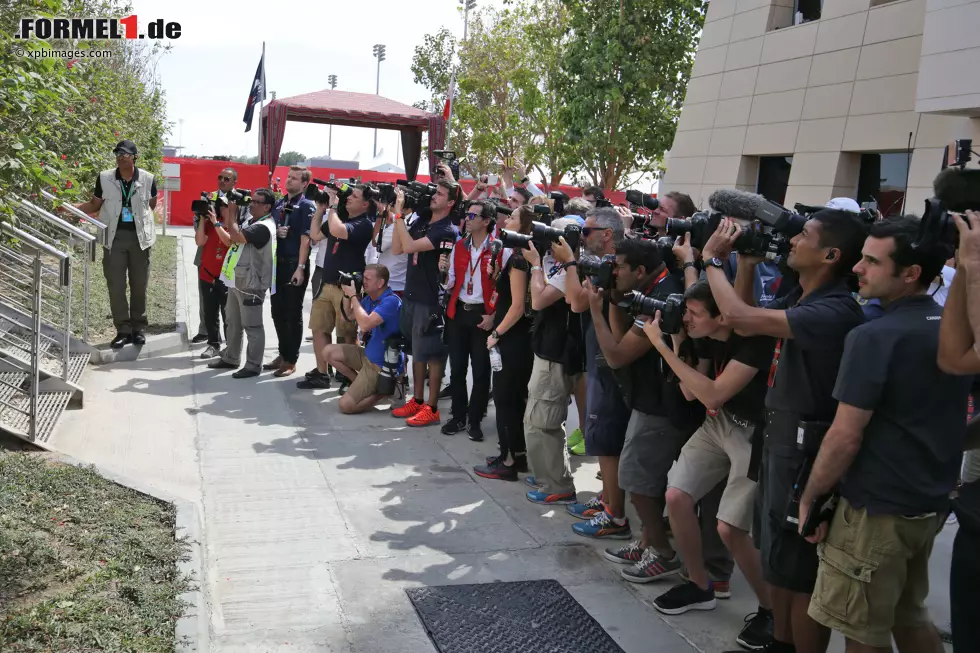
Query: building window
(882, 179)
(807, 10)
(774, 177)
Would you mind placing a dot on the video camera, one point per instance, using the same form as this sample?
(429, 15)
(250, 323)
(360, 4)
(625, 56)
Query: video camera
(449, 157)
(352, 278)
(542, 236)
(956, 190)
(601, 271)
(216, 201)
(386, 193)
(417, 195)
(671, 309)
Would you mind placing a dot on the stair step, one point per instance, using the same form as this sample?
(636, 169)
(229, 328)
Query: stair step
(13, 349)
(50, 406)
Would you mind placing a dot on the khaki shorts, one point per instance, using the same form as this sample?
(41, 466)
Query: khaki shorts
(874, 574)
(366, 382)
(325, 314)
(719, 449)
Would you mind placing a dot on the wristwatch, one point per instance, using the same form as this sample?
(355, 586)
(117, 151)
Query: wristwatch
(535, 267)
(715, 263)
(494, 334)
(570, 264)
(688, 264)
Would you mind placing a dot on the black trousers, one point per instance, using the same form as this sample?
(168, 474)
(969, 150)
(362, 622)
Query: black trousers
(468, 342)
(964, 591)
(510, 386)
(213, 297)
(287, 309)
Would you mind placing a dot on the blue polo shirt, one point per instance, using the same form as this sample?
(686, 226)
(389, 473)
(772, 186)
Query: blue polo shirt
(387, 306)
(299, 224)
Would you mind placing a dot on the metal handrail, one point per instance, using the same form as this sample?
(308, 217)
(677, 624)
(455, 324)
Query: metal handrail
(11, 230)
(52, 219)
(76, 212)
(19, 311)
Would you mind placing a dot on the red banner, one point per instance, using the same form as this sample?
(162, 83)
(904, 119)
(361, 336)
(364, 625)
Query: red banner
(201, 175)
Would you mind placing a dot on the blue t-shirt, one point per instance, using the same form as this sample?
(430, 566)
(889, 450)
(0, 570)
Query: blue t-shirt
(388, 306)
(299, 224)
(767, 280)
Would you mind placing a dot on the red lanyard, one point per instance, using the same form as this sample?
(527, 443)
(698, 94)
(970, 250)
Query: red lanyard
(775, 362)
(473, 265)
(656, 282)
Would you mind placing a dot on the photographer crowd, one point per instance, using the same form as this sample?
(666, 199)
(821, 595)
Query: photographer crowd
(729, 375)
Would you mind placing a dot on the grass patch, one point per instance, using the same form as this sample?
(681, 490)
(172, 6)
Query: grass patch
(161, 295)
(85, 564)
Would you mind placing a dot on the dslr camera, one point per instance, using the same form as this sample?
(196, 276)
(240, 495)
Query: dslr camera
(214, 200)
(699, 227)
(601, 271)
(449, 158)
(417, 195)
(353, 278)
(636, 198)
(671, 309)
(542, 236)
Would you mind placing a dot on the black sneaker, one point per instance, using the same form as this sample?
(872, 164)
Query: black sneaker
(446, 393)
(454, 426)
(475, 433)
(344, 384)
(496, 470)
(757, 632)
(199, 338)
(314, 372)
(338, 376)
(318, 382)
(121, 340)
(687, 596)
(520, 464)
(244, 374)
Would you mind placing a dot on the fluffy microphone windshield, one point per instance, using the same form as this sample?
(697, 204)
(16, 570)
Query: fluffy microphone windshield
(958, 190)
(736, 203)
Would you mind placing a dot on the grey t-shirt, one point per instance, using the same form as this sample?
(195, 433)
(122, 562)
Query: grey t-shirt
(803, 381)
(912, 447)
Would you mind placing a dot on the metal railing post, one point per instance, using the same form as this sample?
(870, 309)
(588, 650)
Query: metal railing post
(89, 259)
(35, 346)
(66, 278)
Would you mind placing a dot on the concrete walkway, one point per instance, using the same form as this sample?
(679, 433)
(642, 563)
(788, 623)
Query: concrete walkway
(316, 522)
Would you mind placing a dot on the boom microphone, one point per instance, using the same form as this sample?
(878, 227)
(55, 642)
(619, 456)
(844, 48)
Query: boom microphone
(958, 189)
(736, 203)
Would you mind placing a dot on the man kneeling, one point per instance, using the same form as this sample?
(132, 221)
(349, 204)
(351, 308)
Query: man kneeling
(376, 315)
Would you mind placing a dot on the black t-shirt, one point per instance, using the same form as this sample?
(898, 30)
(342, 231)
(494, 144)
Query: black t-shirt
(126, 187)
(504, 298)
(346, 255)
(749, 403)
(299, 224)
(642, 381)
(808, 362)
(422, 279)
(256, 235)
(912, 448)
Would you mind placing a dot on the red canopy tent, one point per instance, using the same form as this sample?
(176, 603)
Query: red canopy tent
(330, 107)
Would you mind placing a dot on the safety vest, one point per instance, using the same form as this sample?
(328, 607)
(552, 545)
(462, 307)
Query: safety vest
(233, 257)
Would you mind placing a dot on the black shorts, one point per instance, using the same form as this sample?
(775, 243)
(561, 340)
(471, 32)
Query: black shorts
(606, 416)
(417, 326)
(788, 561)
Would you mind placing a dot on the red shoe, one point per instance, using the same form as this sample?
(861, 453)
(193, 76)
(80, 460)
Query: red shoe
(424, 417)
(408, 409)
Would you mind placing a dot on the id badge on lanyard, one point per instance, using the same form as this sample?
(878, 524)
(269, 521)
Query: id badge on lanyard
(127, 212)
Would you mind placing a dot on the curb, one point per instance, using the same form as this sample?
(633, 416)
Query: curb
(162, 344)
(192, 631)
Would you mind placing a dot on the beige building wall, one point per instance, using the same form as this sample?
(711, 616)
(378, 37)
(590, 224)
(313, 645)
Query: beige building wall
(824, 92)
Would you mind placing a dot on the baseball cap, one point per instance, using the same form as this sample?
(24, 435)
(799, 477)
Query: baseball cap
(844, 204)
(126, 147)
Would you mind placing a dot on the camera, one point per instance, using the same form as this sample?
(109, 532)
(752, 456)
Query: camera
(666, 246)
(239, 196)
(559, 199)
(202, 206)
(671, 309)
(386, 193)
(542, 236)
(352, 278)
(699, 227)
(417, 195)
(601, 271)
(957, 189)
(449, 157)
(388, 375)
(636, 198)
(543, 211)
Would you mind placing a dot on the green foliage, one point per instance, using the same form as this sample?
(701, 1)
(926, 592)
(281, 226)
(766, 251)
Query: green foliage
(578, 86)
(62, 118)
(291, 158)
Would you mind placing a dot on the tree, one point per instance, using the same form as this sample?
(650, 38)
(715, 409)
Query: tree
(627, 66)
(291, 158)
(61, 118)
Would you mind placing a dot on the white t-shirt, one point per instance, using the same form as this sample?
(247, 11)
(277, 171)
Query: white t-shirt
(321, 247)
(397, 264)
(554, 272)
(940, 292)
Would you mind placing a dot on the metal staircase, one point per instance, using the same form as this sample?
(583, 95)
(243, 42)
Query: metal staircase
(43, 354)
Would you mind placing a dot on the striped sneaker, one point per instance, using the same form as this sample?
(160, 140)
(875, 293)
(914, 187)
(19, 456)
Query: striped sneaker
(652, 566)
(537, 496)
(586, 510)
(603, 527)
(625, 555)
(723, 588)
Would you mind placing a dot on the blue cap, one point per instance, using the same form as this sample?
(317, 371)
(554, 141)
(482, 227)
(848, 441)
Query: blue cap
(580, 220)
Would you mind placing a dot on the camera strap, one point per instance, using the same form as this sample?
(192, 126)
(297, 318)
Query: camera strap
(656, 282)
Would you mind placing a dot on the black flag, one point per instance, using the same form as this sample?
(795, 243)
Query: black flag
(256, 94)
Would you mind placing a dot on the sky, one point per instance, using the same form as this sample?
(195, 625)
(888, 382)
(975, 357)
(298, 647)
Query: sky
(208, 72)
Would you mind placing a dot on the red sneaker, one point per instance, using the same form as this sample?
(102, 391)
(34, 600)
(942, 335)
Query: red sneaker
(408, 409)
(424, 417)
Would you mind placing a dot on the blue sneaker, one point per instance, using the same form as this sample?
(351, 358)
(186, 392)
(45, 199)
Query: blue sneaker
(603, 527)
(537, 496)
(530, 481)
(587, 510)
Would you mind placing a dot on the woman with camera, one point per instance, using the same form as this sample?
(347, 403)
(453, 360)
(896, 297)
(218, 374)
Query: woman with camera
(511, 337)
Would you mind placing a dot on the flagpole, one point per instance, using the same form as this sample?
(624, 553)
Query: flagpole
(261, 102)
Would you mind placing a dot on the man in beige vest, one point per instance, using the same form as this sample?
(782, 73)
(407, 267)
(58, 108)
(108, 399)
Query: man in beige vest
(124, 199)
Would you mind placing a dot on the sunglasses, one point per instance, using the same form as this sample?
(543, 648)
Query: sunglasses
(224, 178)
(473, 216)
(588, 230)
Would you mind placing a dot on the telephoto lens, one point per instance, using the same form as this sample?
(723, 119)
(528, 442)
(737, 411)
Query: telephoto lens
(671, 309)
(515, 239)
(388, 375)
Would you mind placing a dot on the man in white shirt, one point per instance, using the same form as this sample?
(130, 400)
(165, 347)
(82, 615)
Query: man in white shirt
(397, 264)
(470, 313)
